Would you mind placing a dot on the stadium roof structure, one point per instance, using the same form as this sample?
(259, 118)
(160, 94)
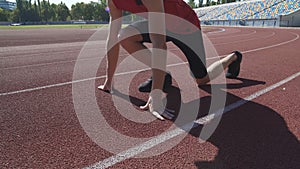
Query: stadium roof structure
(7, 5)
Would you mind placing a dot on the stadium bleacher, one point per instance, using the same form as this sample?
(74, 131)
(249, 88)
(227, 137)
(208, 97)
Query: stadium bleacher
(254, 9)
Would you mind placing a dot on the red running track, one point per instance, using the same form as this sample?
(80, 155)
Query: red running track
(42, 126)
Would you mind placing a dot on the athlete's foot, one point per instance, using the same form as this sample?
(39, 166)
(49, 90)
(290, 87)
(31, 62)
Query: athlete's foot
(159, 114)
(105, 88)
(147, 85)
(234, 67)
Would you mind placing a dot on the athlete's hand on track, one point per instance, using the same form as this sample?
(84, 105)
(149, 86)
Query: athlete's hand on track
(156, 107)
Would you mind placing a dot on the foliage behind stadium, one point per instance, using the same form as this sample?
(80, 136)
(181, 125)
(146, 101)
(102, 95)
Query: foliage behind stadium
(43, 11)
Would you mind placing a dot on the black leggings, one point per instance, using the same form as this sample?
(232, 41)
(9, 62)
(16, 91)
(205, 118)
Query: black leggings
(190, 44)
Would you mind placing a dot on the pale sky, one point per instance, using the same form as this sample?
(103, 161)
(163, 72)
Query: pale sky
(69, 3)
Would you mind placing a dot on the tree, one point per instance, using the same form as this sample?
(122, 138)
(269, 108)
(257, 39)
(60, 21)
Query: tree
(208, 2)
(25, 12)
(52, 12)
(39, 5)
(41, 10)
(200, 3)
(100, 13)
(192, 3)
(88, 11)
(4, 15)
(15, 15)
(77, 11)
(36, 12)
(62, 12)
(45, 12)
(21, 10)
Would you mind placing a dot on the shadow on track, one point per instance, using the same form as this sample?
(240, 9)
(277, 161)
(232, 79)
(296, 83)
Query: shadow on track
(252, 136)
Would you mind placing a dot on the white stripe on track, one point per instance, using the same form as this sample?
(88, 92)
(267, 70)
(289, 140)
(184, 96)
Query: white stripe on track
(124, 73)
(70, 61)
(272, 46)
(226, 33)
(78, 81)
(38, 50)
(108, 162)
(47, 64)
(61, 62)
(231, 36)
(245, 40)
(39, 47)
(214, 32)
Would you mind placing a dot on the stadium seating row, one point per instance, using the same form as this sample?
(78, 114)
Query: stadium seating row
(257, 9)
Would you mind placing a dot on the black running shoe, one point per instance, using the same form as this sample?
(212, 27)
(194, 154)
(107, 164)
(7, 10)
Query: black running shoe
(234, 67)
(147, 85)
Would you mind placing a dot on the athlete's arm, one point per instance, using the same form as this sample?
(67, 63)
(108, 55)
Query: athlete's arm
(157, 33)
(157, 30)
(156, 21)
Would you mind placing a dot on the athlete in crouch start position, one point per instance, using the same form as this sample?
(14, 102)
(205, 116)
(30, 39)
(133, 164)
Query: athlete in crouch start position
(183, 30)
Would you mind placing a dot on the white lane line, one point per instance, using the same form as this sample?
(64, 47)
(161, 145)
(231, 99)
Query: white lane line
(124, 73)
(38, 50)
(108, 162)
(78, 81)
(39, 47)
(219, 31)
(245, 40)
(70, 61)
(272, 46)
(61, 62)
(82, 80)
(240, 35)
(47, 64)
(24, 56)
(239, 103)
(227, 33)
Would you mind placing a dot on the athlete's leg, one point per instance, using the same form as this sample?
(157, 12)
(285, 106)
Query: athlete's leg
(132, 41)
(215, 69)
(193, 48)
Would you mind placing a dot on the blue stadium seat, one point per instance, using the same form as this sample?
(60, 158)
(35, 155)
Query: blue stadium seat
(261, 9)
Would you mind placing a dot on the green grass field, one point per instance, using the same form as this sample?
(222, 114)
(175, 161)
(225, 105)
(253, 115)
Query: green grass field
(76, 26)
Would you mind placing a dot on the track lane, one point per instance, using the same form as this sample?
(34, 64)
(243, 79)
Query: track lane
(61, 152)
(65, 68)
